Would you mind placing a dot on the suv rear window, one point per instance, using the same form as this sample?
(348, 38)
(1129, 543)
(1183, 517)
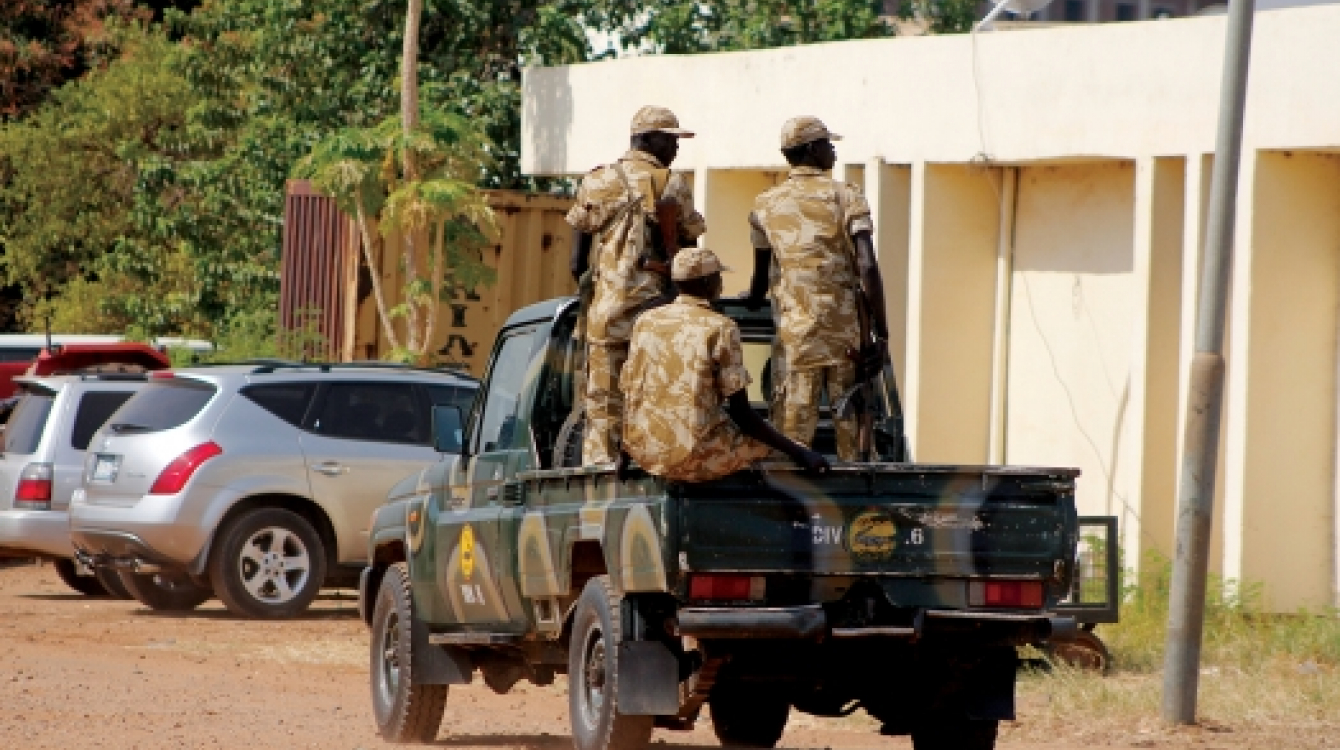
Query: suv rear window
(25, 427)
(288, 401)
(95, 407)
(163, 405)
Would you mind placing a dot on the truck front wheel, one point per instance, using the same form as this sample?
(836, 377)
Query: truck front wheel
(405, 710)
(964, 734)
(746, 716)
(593, 669)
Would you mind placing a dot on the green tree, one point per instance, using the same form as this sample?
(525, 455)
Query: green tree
(688, 26)
(412, 181)
(115, 210)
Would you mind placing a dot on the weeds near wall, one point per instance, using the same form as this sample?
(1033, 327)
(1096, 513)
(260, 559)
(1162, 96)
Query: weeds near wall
(1275, 677)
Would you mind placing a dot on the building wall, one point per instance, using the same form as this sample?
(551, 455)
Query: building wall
(1040, 198)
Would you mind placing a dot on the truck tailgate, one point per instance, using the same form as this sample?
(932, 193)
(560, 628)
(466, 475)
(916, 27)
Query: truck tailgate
(888, 520)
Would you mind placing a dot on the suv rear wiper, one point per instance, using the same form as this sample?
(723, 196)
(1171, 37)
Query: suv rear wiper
(120, 427)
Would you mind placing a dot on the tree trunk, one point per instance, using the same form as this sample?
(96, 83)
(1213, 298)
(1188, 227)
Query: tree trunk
(409, 122)
(374, 271)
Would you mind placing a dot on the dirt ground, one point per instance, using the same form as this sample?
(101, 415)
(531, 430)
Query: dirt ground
(96, 673)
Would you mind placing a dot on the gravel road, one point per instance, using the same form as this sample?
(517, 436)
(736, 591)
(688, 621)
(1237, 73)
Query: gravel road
(96, 673)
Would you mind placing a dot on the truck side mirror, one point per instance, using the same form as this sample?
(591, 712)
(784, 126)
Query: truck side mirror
(448, 429)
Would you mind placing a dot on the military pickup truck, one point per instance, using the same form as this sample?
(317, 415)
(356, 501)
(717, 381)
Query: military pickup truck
(899, 588)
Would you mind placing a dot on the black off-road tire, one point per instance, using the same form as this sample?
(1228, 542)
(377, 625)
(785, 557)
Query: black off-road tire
(961, 734)
(87, 585)
(111, 582)
(745, 716)
(240, 580)
(405, 710)
(165, 592)
(593, 676)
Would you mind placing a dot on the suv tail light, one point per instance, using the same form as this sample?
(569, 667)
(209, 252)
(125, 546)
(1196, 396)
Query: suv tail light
(34, 489)
(727, 587)
(183, 467)
(1018, 594)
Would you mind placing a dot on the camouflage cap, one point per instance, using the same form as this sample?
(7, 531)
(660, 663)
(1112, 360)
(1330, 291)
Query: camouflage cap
(694, 263)
(652, 119)
(800, 130)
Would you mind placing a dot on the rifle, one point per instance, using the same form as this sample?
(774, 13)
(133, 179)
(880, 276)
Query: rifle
(875, 389)
(665, 240)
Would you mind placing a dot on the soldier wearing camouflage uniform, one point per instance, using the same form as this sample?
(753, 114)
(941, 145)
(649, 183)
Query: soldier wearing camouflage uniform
(812, 242)
(615, 212)
(688, 414)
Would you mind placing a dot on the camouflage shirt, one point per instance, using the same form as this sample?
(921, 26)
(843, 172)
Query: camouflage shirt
(807, 222)
(615, 209)
(684, 361)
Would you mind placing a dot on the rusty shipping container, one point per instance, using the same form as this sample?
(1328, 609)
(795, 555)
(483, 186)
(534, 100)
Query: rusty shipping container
(530, 258)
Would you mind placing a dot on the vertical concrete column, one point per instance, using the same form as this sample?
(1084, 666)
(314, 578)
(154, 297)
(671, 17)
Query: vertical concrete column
(916, 252)
(1238, 353)
(1000, 346)
(1160, 195)
(1144, 10)
(1095, 11)
(953, 295)
(1283, 379)
(888, 187)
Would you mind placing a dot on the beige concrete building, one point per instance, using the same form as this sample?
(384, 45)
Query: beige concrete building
(1040, 200)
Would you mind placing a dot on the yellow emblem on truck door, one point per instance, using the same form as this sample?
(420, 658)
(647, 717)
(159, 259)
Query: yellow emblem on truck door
(467, 551)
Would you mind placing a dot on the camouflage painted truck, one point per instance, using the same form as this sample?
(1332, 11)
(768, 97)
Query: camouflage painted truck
(899, 588)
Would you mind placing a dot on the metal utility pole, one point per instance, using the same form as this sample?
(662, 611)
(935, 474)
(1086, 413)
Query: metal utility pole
(1186, 610)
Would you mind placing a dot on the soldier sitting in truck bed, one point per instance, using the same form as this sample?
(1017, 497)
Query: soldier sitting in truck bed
(687, 413)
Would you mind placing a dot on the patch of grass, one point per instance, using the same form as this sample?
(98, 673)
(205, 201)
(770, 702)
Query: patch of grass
(1263, 675)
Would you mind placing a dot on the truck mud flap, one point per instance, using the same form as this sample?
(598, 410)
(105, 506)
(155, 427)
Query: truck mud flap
(648, 679)
(437, 665)
(753, 622)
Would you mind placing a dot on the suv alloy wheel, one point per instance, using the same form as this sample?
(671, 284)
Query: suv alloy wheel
(269, 564)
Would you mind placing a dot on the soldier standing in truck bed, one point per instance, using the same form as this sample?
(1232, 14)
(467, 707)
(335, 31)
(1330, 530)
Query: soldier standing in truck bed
(615, 214)
(688, 415)
(812, 246)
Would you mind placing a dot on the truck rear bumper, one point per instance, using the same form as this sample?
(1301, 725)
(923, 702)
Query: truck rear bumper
(753, 622)
(809, 622)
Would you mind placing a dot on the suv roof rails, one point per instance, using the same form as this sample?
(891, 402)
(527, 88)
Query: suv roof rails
(267, 367)
(113, 376)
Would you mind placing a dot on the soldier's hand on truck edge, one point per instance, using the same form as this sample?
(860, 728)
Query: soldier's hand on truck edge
(622, 465)
(812, 461)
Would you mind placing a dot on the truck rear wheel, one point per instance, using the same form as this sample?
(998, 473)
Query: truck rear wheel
(963, 734)
(593, 676)
(745, 716)
(405, 710)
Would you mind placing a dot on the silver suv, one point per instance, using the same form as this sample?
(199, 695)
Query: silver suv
(42, 465)
(255, 483)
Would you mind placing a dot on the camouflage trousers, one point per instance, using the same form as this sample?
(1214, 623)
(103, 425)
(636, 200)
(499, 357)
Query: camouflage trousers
(721, 453)
(604, 403)
(795, 404)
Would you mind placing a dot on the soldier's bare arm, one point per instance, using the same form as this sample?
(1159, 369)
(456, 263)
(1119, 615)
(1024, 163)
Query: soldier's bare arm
(758, 428)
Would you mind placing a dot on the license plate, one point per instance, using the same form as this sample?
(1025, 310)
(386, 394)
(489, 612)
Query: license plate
(105, 468)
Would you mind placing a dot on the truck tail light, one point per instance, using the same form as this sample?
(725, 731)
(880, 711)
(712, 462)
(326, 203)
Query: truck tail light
(727, 588)
(183, 467)
(1018, 594)
(34, 489)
